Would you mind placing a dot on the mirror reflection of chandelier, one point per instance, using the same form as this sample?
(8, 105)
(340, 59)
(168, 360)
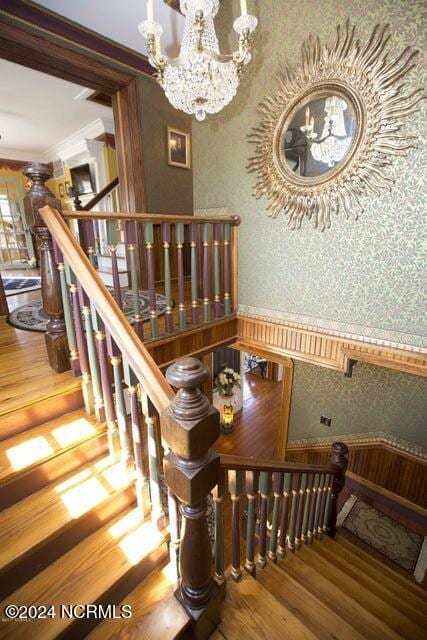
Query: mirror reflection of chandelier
(334, 142)
(200, 80)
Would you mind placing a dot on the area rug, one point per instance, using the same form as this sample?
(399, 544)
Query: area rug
(31, 317)
(387, 536)
(13, 286)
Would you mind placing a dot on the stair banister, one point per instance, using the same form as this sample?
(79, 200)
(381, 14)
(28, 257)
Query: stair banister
(39, 196)
(143, 365)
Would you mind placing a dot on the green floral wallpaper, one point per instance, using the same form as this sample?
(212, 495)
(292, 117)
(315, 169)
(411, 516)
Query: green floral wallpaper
(373, 400)
(360, 278)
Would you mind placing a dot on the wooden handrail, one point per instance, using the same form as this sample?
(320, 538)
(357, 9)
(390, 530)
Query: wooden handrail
(99, 196)
(143, 365)
(240, 463)
(148, 217)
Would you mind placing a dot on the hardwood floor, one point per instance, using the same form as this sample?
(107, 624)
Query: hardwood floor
(257, 427)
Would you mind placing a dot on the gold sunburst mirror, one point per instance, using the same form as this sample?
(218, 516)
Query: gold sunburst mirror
(328, 132)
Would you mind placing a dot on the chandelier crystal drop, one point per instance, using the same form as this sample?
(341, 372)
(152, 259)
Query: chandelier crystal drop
(201, 80)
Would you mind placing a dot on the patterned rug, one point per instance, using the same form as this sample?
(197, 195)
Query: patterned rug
(387, 536)
(13, 286)
(31, 317)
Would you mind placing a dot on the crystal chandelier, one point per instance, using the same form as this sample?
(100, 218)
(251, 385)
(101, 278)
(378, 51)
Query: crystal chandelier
(334, 142)
(201, 80)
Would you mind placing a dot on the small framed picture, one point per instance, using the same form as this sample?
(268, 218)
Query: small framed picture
(61, 190)
(67, 188)
(179, 153)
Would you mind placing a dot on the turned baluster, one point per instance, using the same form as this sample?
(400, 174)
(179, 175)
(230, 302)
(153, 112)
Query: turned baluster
(328, 503)
(69, 324)
(81, 345)
(117, 292)
(218, 493)
(308, 498)
(339, 463)
(264, 490)
(110, 417)
(293, 515)
(158, 516)
(37, 197)
(227, 269)
(137, 317)
(194, 276)
(141, 470)
(300, 512)
(174, 530)
(319, 495)
(179, 236)
(125, 452)
(166, 237)
(310, 531)
(251, 494)
(217, 269)
(149, 242)
(277, 494)
(287, 483)
(319, 532)
(206, 273)
(190, 425)
(235, 485)
(93, 364)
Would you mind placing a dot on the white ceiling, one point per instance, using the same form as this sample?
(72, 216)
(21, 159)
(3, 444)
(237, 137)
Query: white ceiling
(37, 111)
(118, 20)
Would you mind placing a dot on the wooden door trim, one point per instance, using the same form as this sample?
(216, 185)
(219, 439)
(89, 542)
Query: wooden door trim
(37, 52)
(285, 403)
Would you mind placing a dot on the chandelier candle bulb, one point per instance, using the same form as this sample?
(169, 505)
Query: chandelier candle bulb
(307, 117)
(243, 7)
(150, 11)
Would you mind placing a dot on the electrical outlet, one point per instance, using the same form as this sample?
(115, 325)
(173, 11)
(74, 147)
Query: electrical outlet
(326, 421)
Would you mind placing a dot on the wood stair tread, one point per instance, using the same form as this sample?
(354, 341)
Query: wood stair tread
(326, 591)
(41, 516)
(316, 615)
(369, 599)
(384, 569)
(26, 450)
(374, 579)
(249, 611)
(86, 573)
(156, 614)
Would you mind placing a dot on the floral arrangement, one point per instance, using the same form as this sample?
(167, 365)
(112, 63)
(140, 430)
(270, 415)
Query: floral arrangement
(226, 381)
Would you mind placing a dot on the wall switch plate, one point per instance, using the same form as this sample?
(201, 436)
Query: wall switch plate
(326, 421)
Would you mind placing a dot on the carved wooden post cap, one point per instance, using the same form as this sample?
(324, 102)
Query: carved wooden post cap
(38, 173)
(187, 373)
(338, 454)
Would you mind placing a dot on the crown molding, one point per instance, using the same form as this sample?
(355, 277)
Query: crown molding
(15, 155)
(72, 145)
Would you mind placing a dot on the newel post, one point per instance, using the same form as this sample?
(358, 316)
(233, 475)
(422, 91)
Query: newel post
(190, 426)
(338, 462)
(37, 197)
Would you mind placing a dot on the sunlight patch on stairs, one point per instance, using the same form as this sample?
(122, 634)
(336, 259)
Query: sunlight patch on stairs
(29, 452)
(73, 432)
(137, 542)
(83, 497)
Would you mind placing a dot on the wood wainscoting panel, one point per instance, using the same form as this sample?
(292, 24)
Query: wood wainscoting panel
(401, 473)
(324, 349)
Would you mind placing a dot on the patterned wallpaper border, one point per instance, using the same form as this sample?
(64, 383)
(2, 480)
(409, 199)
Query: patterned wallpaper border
(361, 333)
(375, 437)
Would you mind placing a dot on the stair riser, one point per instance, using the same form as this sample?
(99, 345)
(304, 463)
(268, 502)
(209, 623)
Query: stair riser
(39, 412)
(15, 575)
(81, 628)
(52, 470)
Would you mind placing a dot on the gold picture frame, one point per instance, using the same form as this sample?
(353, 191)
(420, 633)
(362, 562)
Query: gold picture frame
(368, 79)
(179, 148)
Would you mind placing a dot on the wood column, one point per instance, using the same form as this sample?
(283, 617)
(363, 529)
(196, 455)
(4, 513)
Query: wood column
(39, 196)
(190, 426)
(339, 463)
(4, 309)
